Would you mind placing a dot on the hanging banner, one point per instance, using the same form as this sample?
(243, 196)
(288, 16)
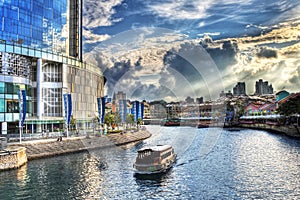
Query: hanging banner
(22, 106)
(68, 108)
(103, 101)
(142, 110)
(65, 96)
(135, 110)
(101, 108)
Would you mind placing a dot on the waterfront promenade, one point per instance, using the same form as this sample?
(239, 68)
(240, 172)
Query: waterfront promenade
(43, 148)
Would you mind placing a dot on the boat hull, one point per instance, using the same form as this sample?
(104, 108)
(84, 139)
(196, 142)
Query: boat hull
(150, 169)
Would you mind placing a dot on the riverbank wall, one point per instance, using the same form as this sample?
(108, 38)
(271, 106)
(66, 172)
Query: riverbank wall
(51, 147)
(12, 158)
(289, 130)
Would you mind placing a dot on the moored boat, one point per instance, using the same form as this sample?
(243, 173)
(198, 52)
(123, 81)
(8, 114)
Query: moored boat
(155, 159)
(171, 122)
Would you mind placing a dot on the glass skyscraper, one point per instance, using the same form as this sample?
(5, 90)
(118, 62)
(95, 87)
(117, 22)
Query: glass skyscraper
(41, 51)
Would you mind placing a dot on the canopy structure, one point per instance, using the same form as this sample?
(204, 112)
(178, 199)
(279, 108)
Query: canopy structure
(276, 116)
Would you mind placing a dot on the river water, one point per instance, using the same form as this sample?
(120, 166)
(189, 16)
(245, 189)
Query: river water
(212, 164)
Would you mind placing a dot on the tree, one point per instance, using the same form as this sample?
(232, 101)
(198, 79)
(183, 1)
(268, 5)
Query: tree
(72, 123)
(129, 119)
(240, 108)
(109, 119)
(139, 121)
(117, 119)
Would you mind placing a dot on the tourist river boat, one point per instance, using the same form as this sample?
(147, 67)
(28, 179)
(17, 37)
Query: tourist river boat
(171, 122)
(155, 159)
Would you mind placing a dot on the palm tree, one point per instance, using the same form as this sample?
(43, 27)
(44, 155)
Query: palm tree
(129, 119)
(109, 119)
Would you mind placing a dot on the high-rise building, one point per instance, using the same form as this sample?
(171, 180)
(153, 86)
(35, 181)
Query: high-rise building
(263, 87)
(239, 89)
(41, 51)
(199, 100)
(189, 100)
(119, 105)
(226, 94)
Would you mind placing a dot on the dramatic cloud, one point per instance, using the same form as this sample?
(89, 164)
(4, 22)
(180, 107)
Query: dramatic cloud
(178, 10)
(274, 56)
(150, 63)
(99, 13)
(94, 38)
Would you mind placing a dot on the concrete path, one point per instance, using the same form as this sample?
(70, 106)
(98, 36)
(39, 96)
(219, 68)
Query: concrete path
(51, 147)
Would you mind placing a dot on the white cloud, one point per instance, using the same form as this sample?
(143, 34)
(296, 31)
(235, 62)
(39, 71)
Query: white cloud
(188, 10)
(178, 10)
(151, 46)
(99, 13)
(282, 70)
(92, 38)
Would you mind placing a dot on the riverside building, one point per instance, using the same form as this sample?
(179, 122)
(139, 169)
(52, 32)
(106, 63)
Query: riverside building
(41, 52)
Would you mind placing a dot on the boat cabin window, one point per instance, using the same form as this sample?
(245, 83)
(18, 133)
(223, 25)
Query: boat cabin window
(143, 154)
(167, 154)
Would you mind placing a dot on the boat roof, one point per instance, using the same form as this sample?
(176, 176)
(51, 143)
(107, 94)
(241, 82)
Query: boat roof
(156, 148)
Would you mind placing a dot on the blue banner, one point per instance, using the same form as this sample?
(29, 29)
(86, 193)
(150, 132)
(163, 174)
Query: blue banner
(103, 101)
(22, 106)
(68, 107)
(142, 110)
(137, 110)
(99, 109)
(65, 96)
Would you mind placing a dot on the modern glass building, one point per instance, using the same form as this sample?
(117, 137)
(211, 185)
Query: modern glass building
(41, 52)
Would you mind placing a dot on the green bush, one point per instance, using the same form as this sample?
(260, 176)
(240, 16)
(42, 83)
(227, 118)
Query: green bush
(114, 131)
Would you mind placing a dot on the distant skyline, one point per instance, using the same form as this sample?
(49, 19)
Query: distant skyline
(173, 49)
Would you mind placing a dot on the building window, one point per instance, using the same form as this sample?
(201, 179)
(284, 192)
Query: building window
(52, 98)
(52, 72)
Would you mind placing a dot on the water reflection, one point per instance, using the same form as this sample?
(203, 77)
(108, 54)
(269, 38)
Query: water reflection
(155, 178)
(245, 164)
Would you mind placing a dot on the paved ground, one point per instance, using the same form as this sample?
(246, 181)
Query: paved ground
(51, 147)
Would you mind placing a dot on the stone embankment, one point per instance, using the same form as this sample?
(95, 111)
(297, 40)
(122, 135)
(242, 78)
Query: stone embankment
(52, 147)
(289, 130)
(12, 158)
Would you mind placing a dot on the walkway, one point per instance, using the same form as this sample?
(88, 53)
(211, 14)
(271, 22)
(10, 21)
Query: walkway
(51, 147)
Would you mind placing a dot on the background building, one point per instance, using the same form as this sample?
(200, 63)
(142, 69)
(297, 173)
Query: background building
(199, 100)
(120, 96)
(263, 87)
(239, 89)
(189, 100)
(41, 50)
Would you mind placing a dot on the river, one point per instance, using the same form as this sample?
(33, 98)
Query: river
(212, 164)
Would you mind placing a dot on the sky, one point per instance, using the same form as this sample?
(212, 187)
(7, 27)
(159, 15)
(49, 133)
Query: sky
(171, 49)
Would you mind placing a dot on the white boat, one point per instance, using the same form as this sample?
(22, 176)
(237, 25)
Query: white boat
(155, 159)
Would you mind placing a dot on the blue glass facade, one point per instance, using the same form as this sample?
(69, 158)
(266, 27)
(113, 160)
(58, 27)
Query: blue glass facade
(9, 103)
(41, 24)
(41, 52)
